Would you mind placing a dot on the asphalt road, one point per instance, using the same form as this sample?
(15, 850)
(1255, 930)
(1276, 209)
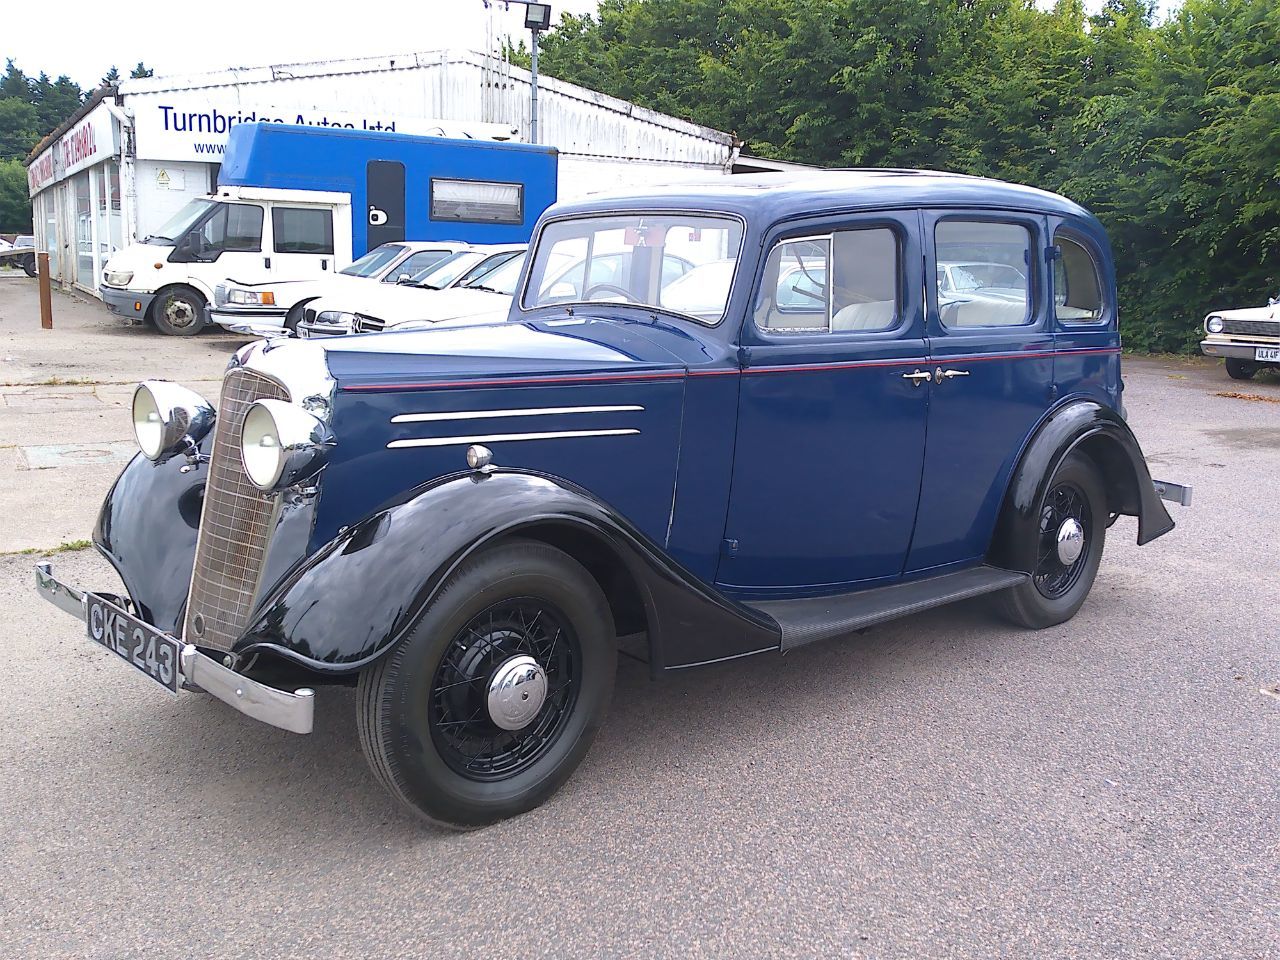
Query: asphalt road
(946, 786)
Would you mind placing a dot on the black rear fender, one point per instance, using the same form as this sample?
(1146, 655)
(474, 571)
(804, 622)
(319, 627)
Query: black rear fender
(1100, 434)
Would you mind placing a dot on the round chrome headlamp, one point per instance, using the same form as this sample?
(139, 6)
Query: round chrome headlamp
(281, 444)
(168, 418)
(1213, 324)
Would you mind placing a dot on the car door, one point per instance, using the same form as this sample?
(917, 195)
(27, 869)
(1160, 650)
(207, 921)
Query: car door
(832, 409)
(991, 353)
(226, 242)
(301, 241)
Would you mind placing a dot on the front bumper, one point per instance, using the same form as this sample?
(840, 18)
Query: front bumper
(1235, 349)
(126, 303)
(279, 708)
(254, 322)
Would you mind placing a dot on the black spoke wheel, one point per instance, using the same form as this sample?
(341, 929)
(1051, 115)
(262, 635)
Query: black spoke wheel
(1063, 550)
(462, 726)
(489, 703)
(1065, 513)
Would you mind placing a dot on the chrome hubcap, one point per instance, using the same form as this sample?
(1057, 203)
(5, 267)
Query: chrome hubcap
(1070, 541)
(517, 692)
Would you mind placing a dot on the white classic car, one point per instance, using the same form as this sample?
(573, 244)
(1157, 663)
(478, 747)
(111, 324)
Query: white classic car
(1245, 339)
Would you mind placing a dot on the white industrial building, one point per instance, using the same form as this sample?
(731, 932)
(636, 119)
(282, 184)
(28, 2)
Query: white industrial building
(134, 154)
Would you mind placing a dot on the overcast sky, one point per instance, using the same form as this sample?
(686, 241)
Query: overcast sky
(83, 39)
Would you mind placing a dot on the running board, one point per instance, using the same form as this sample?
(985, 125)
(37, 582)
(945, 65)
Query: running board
(811, 619)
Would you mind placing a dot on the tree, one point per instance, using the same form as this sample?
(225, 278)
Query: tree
(15, 207)
(17, 128)
(55, 101)
(110, 78)
(141, 71)
(14, 83)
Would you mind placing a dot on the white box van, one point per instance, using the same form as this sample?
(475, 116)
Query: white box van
(250, 234)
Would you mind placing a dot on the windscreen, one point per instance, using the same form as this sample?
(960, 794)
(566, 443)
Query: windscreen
(502, 279)
(180, 222)
(374, 261)
(639, 259)
(442, 273)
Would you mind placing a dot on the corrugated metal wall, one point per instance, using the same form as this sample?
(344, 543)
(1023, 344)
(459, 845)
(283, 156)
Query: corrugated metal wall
(456, 85)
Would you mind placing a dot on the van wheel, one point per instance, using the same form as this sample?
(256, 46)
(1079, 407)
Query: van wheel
(489, 704)
(179, 312)
(1064, 556)
(1241, 369)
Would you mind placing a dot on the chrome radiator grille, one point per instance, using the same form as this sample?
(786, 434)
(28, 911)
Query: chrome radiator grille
(235, 524)
(1252, 328)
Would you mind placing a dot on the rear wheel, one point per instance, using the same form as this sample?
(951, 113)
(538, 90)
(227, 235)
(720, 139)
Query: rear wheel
(179, 312)
(1241, 369)
(1064, 554)
(29, 265)
(489, 704)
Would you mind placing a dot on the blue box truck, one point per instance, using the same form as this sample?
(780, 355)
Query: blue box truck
(296, 203)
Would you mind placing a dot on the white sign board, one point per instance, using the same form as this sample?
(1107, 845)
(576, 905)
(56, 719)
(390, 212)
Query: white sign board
(92, 140)
(187, 127)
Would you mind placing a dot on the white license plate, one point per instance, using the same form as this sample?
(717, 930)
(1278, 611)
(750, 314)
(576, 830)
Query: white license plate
(154, 653)
(1268, 354)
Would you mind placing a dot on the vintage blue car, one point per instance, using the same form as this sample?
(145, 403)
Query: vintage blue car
(804, 434)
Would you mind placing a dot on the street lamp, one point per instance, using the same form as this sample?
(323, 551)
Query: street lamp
(537, 17)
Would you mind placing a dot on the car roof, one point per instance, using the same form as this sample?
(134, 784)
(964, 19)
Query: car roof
(782, 196)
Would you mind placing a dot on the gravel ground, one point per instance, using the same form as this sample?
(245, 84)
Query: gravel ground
(946, 786)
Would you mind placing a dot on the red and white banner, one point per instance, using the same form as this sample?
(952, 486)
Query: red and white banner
(92, 140)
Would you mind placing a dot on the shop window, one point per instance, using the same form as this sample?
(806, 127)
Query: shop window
(477, 201)
(302, 230)
(1077, 291)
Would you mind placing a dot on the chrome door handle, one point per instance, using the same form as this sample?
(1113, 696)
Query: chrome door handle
(916, 378)
(939, 374)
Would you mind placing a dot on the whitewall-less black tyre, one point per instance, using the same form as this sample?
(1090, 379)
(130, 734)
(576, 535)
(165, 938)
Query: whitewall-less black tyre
(493, 699)
(1063, 558)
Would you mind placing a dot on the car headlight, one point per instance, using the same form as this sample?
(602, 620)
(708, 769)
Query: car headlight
(281, 444)
(1213, 324)
(256, 298)
(118, 278)
(336, 316)
(168, 419)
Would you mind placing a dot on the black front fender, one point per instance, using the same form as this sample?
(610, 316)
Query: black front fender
(359, 594)
(147, 529)
(1100, 433)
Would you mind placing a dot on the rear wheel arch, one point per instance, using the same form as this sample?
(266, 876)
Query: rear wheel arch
(1090, 430)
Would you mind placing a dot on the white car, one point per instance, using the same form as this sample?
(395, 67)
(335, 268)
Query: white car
(483, 298)
(1245, 339)
(266, 309)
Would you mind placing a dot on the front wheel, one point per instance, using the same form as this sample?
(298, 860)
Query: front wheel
(1064, 554)
(29, 265)
(1241, 369)
(493, 699)
(179, 312)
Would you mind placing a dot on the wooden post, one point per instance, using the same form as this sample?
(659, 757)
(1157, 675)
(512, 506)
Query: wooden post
(46, 292)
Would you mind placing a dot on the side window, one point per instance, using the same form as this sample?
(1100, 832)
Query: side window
(302, 230)
(983, 273)
(847, 281)
(236, 227)
(477, 201)
(1077, 289)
